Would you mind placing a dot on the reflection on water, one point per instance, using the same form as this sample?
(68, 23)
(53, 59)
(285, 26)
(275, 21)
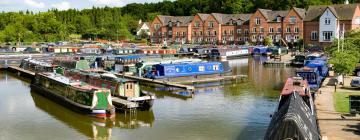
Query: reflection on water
(90, 126)
(235, 110)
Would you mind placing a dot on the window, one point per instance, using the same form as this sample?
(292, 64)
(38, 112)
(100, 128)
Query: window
(254, 38)
(327, 35)
(246, 39)
(215, 67)
(254, 30)
(177, 34)
(271, 30)
(288, 29)
(257, 21)
(201, 68)
(225, 33)
(208, 33)
(170, 24)
(314, 35)
(292, 20)
(296, 38)
(357, 20)
(183, 34)
(279, 30)
(278, 19)
(200, 32)
(194, 33)
(271, 36)
(239, 39)
(197, 24)
(261, 37)
(246, 31)
(277, 38)
(159, 33)
(238, 31)
(288, 38)
(211, 24)
(157, 26)
(327, 21)
(261, 29)
(170, 33)
(296, 29)
(231, 32)
(214, 32)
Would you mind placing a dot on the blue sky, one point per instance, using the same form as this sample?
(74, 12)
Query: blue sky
(44, 5)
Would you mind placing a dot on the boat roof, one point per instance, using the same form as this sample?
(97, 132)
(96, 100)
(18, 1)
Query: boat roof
(129, 57)
(295, 84)
(306, 69)
(315, 63)
(196, 63)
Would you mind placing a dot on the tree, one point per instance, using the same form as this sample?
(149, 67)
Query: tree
(268, 42)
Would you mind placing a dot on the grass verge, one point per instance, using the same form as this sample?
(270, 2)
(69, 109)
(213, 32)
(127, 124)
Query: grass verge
(342, 101)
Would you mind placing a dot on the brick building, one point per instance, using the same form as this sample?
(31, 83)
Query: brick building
(324, 23)
(319, 25)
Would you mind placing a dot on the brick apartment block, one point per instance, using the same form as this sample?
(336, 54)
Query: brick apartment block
(319, 25)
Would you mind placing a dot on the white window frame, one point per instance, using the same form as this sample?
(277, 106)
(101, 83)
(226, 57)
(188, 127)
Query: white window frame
(314, 35)
(238, 31)
(254, 30)
(257, 21)
(271, 30)
(327, 35)
(292, 19)
(296, 29)
(327, 21)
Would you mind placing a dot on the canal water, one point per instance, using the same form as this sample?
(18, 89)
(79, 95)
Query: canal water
(237, 110)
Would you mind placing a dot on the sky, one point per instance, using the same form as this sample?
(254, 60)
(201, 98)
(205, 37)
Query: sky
(44, 5)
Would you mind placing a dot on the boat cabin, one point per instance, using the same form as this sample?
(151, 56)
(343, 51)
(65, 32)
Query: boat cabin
(320, 65)
(312, 75)
(185, 69)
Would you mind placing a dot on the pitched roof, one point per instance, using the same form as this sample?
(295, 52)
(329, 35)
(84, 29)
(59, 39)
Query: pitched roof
(142, 24)
(184, 20)
(164, 19)
(272, 15)
(300, 11)
(226, 18)
(341, 11)
(202, 16)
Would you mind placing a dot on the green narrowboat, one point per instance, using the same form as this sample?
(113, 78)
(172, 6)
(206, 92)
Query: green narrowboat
(75, 95)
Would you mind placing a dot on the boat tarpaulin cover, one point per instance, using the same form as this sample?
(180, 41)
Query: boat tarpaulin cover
(294, 120)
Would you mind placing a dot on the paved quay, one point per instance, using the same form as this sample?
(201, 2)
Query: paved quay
(331, 125)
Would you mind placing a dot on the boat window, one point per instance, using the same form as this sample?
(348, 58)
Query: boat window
(216, 67)
(201, 68)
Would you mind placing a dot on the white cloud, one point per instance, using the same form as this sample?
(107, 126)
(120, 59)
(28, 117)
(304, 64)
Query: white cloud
(62, 5)
(108, 2)
(35, 4)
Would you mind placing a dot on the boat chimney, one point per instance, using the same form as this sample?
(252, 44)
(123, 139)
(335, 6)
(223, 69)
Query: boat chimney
(346, 2)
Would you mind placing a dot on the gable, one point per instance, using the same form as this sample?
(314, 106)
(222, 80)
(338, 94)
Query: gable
(328, 13)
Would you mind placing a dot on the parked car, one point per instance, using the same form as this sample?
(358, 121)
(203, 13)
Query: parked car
(355, 82)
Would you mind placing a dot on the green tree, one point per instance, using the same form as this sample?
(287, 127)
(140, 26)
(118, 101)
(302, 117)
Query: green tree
(268, 42)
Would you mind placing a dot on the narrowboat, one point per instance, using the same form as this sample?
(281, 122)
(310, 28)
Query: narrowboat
(160, 71)
(120, 87)
(315, 56)
(122, 51)
(228, 52)
(36, 65)
(202, 52)
(295, 116)
(77, 96)
(261, 50)
(146, 65)
(299, 60)
(72, 63)
(321, 66)
(123, 63)
(312, 75)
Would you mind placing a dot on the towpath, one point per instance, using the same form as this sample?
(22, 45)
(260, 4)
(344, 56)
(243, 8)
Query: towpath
(331, 124)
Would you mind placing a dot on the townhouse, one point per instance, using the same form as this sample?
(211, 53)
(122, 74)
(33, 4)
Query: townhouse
(319, 25)
(325, 23)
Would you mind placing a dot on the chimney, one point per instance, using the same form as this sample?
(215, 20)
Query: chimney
(346, 2)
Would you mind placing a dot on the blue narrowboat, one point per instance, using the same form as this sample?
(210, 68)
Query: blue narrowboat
(315, 56)
(320, 65)
(312, 75)
(261, 50)
(185, 69)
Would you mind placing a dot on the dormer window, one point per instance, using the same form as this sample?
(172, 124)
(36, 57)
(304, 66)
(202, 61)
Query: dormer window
(327, 21)
(278, 19)
(178, 24)
(197, 24)
(211, 24)
(170, 24)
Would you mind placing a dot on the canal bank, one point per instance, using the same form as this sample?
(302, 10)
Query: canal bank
(331, 123)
